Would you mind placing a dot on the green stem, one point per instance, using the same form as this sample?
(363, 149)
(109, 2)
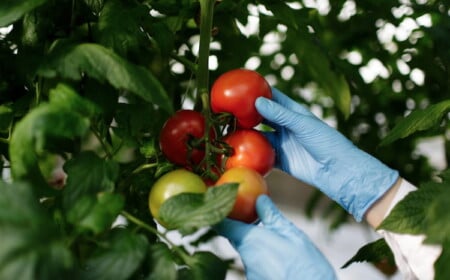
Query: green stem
(104, 145)
(144, 166)
(186, 62)
(206, 20)
(153, 230)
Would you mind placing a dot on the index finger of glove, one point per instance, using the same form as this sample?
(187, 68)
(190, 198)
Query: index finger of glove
(277, 115)
(234, 231)
(269, 214)
(288, 103)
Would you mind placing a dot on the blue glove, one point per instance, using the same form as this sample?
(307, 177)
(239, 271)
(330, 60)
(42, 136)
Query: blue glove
(317, 154)
(276, 250)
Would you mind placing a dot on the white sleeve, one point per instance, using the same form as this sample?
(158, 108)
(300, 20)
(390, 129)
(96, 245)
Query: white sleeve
(414, 259)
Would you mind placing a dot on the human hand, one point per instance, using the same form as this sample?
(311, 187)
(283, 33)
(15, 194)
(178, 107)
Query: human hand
(276, 249)
(310, 150)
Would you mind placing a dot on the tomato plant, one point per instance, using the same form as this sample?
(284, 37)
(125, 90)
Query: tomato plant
(93, 82)
(180, 138)
(251, 149)
(251, 185)
(173, 183)
(235, 92)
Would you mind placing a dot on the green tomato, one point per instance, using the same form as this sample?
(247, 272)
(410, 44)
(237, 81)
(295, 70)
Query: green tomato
(171, 184)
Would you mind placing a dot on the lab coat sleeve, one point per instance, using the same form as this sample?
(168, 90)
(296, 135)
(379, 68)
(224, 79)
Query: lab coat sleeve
(415, 260)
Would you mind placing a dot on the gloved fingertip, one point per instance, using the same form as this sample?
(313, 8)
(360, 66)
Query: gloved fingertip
(231, 229)
(261, 104)
(266, 209)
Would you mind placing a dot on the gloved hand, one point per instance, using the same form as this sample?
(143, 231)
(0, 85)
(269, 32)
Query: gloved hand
(317, 154)
(277, 249)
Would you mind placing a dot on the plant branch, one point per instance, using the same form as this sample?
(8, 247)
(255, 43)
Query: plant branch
(206, 18)
(153, 230)
(186, 62)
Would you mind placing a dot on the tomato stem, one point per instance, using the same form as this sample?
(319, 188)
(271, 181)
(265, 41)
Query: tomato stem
(206, 19)
(186, 62)
(153, 230)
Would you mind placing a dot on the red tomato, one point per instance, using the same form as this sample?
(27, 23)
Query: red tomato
(250, 149)
(235, 92)
(178, 130)
(251, 185)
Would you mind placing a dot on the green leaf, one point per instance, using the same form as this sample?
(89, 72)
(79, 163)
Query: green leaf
(418, 120)
(162, 265)
(119, 26)
(373, 252)
(31, 246)
(119, 257)
(87, 174)
(205, 266)
(409, 215)
(189, 212)
(96, 213)
(96, 61)
(66, 98)
(441, 267)
(6, 116)
(47, 127)
(283, 13)
(438, 217)
(315, 60)
(12, 10)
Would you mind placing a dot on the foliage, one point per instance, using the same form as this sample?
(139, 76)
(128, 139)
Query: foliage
(90, 83)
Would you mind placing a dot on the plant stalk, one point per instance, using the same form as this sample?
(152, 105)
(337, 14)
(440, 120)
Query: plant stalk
(206, 22)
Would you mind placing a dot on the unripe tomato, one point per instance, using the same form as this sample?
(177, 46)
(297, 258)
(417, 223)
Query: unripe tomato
(236, 91)
(251, 185)
(171, 184)
(250, 149)
(178, 130)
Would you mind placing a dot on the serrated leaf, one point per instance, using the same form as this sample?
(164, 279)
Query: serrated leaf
(162, 265)
(373, 252)
(31, 246)
(12, 10)
(96, 213)
(47, 127)
(409, 215)
(418, 120)
(87, 174)
(119, 257)
(189, 212)
(98, 62)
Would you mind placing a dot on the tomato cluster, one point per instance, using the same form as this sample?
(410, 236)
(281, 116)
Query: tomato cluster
(231, 151)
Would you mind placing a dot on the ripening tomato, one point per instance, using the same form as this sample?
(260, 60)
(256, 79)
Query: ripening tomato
(236, 91)
(251, 149)
(251, 185)
(176, 134)
(173, 183)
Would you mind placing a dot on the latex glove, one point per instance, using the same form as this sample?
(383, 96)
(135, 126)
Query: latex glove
(276, 249)
(317, 154)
